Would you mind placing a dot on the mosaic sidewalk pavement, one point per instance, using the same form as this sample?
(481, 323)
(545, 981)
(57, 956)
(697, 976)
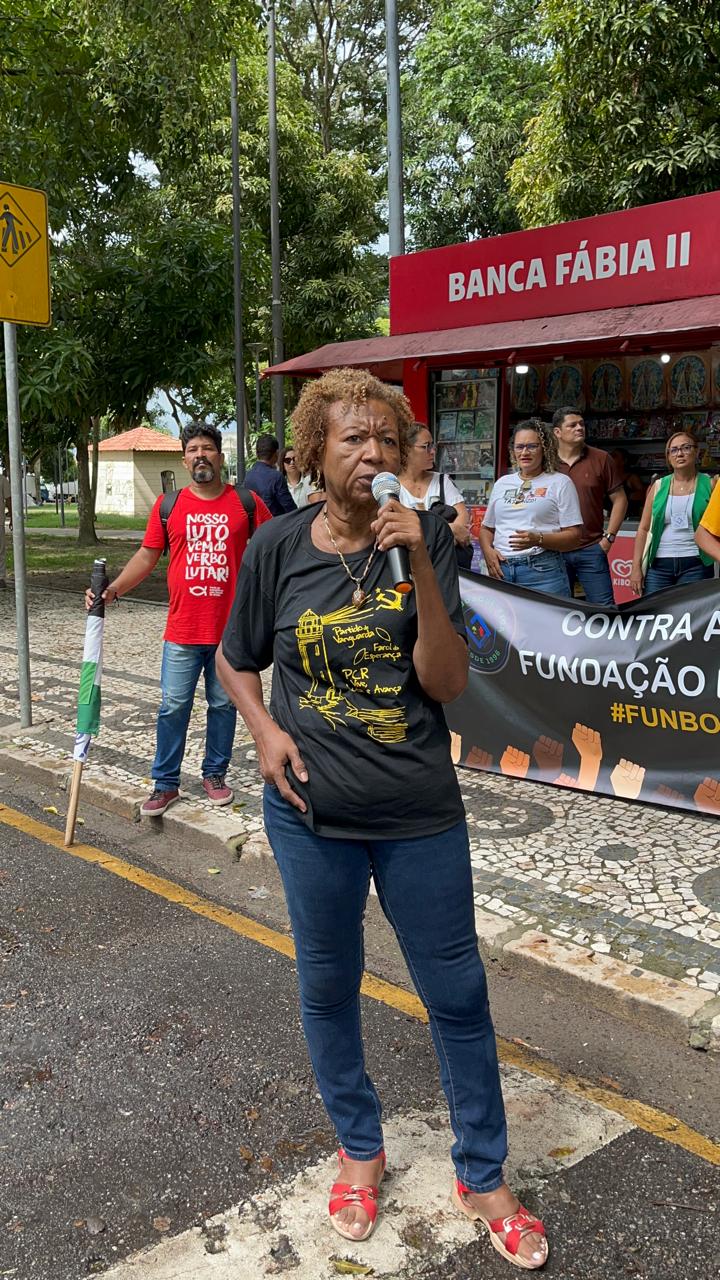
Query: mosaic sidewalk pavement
(626, 882)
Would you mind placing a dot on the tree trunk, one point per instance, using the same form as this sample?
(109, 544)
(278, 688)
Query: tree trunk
(95, 421)
(86, 511)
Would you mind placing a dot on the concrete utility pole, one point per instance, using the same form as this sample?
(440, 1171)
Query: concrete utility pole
(396, 202)
(277, 382)
(18, 510)
(237, 279)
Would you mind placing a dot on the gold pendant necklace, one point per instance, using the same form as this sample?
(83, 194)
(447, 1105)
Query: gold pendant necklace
(358, 596)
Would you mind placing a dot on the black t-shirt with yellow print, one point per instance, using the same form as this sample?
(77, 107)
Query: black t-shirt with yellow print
(376, 748)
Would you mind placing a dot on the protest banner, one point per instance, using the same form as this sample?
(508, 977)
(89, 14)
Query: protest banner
(619, 701)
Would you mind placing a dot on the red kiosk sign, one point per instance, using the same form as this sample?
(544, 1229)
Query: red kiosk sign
(655, 253)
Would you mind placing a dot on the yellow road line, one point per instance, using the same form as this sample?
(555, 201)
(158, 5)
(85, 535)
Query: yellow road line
(658, 1123)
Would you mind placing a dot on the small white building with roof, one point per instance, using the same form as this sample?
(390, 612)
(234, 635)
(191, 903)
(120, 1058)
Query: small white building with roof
(135, 467)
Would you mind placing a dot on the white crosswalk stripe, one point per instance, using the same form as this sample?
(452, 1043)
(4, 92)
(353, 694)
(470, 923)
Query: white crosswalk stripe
(284, 1228)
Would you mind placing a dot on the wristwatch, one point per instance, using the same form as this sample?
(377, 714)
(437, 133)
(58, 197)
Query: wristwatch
(609, 537)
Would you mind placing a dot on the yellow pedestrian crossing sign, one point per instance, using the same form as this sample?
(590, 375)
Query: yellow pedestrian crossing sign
(24, 256)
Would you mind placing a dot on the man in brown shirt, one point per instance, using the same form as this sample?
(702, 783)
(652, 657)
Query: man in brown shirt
(597, 480)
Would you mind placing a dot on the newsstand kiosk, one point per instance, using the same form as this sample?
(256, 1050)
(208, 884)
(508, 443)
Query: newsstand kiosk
(617, 316)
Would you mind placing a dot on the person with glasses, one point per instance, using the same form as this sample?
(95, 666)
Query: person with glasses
(422, 488)
(301, 486)
(533, 515)
(666, 554)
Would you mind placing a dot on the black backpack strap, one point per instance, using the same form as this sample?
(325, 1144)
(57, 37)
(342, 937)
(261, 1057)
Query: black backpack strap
(247, 497)
(166, 506)
(442, 487)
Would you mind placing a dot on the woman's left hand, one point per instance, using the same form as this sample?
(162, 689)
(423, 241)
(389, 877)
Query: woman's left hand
(398, 526)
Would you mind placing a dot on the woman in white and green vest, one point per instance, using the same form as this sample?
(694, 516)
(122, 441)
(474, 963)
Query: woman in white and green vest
(666, 554)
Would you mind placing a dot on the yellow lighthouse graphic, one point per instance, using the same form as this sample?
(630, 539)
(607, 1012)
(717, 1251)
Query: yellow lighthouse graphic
(313, 654)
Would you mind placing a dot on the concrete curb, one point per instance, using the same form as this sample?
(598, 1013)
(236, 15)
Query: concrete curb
(188, 821)
(660, 1003)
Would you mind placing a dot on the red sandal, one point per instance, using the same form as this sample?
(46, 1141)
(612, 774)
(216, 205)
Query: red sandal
(346, 1194)
(514, 1227)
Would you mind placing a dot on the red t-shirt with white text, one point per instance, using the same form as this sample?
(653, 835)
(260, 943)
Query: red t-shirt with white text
(207, 540)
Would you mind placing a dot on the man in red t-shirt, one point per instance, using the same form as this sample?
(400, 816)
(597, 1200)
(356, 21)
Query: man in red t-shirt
(207, 532)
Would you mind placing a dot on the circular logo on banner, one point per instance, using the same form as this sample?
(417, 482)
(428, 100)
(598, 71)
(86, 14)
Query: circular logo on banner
(489, 640)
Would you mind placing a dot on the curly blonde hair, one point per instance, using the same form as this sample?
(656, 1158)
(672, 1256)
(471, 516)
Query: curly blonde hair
(351, 387)
(545, 435)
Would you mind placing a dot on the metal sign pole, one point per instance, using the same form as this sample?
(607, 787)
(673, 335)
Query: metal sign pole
(396, 205)
(18, 508)
(277, 387)
(237, 277)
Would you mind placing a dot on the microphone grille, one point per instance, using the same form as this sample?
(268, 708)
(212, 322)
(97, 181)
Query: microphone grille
(385, 484)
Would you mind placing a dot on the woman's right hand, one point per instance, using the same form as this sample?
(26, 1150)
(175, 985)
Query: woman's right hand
(493, 560)
(276, 749)
(637, 581)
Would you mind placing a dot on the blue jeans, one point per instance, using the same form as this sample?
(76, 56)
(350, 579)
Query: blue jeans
(545, 571)
(589, 566)
(675, 571)
(425, 889)
(179, 674)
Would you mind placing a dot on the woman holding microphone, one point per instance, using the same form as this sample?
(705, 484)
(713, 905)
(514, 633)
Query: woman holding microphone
(355, 754)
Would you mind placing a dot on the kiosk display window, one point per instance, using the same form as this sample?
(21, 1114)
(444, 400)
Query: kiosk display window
(464, 426)
(632, 403)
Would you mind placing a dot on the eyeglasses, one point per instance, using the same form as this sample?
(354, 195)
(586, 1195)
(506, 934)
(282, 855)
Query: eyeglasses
(288, 461)
(526, 448)
(427, 448)
(680, 448)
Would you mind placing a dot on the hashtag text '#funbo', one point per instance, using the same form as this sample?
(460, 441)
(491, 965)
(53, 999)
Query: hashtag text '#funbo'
(681, 721)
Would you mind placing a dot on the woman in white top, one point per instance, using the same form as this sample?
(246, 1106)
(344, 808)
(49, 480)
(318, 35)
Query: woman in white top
(301, 486)
(421, 486)
(533, 515)
(665, 553)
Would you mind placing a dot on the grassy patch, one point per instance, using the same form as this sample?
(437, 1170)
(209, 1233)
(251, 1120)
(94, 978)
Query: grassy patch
(46, 518)
(61, 555)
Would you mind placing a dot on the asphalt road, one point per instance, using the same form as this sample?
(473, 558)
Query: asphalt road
(154, 1075)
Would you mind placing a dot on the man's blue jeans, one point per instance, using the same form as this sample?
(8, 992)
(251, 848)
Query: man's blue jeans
(589, 566)
(179, 674)
(425, 889)
(543, 571)
(675, 571)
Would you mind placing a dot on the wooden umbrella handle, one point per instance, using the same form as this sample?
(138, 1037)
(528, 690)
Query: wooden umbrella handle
(73, 803)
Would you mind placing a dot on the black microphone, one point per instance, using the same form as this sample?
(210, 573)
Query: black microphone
(386, 486)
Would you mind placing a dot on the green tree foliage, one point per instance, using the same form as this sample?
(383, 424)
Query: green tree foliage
(477, 78)
(337, 50)
(632, 111)
(120, 109)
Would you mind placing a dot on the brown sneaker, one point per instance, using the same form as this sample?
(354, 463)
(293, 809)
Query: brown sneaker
(217, 790)
(158, 802)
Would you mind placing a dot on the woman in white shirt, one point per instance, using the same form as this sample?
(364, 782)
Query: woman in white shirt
(533, 515)
(421, 486)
